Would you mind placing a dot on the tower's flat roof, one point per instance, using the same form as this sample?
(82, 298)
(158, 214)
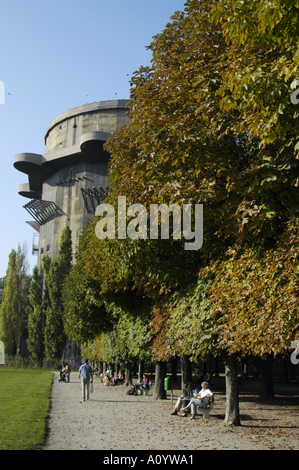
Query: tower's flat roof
(86, 108)
(89, 148)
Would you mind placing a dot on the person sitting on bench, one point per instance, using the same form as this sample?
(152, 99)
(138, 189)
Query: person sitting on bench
(201, 399)
(183, 399)
(120, 377)
(143, 384)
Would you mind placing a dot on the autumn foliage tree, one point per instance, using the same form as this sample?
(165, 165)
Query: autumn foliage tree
(256, 298)
(211, 122)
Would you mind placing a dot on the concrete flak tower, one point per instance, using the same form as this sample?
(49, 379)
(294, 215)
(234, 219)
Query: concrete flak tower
(66, 184)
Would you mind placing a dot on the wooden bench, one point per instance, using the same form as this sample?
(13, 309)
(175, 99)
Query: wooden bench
(206, 409)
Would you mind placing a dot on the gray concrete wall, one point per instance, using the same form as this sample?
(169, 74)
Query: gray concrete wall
(67, 128)
(69, 199)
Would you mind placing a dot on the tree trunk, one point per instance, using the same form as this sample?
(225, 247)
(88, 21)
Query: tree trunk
(266, 378)
(245, 367)
(216, 366)
(18, 347)
(159, 392)
(232, 416)
(256, 367)
(140, 369)
(286, 372)
(293, 371)
(186, 370)
(128, 374)
(174, 369)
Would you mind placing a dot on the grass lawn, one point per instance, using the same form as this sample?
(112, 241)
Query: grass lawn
(24, 405)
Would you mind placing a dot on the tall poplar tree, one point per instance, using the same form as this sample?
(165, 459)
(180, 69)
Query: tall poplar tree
(15, 305)
(55, 273)
(36, 319)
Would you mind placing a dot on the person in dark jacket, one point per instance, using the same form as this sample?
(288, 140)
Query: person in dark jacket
(183, 399)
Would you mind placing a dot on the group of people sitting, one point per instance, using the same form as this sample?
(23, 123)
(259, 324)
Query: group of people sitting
(187, 402)
(111, 379)
(190, 399)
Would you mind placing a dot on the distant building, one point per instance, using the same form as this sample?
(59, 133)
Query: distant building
(66, 184)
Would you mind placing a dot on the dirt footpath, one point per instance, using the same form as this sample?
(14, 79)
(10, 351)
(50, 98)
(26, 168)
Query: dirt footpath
(112, 420)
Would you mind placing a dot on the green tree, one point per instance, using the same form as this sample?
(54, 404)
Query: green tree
(131, 314)
(263, 68)
(93, 308)
(190, 313)
(84, 312)
(36, 318)
(55, 273)
(15, 305)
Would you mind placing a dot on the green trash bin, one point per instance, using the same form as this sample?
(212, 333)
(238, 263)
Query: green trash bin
(167, 383)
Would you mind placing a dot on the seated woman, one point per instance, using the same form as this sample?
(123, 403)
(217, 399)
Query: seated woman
(201, 399)
(120, 376)
(106, 379)
(143, 384)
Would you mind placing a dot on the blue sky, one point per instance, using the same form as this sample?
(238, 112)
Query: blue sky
(55, 56)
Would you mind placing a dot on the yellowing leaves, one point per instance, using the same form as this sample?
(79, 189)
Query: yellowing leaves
(257, 297)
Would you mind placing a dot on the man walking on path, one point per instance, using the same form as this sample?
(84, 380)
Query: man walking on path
(85, 372)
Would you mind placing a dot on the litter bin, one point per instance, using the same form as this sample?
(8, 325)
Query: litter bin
(167, 383)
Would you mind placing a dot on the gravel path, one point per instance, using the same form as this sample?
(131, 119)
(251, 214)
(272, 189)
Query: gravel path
(112, 420)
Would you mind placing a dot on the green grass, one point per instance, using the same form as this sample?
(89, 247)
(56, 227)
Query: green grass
(24, 405)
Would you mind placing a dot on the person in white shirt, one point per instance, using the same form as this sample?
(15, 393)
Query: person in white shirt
(200, 399)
